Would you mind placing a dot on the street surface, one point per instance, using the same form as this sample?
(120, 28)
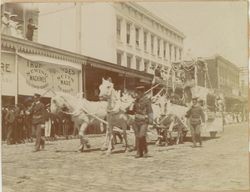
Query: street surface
(221, 164)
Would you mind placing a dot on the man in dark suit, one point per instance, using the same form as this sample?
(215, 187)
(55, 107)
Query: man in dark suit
(30, 30)
(39, 115)
(143, 112)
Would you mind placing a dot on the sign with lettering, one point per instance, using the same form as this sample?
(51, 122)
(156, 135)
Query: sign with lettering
(8, 76)
(37, 75)
(37, 78)
(66, 80)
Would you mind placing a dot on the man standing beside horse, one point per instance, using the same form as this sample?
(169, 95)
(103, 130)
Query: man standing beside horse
(39, 116)
(143, 117)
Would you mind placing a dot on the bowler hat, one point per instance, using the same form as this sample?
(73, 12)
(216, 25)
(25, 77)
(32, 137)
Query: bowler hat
(37, 95)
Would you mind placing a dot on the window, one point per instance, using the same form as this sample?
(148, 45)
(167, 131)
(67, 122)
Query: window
(180, 55)
(119, 58)
(129, 61)
(152, 44)
(137, 36)
(175, 54)
(146, 66)
(118, 28)
(164, 49)
(158, 47)
(128, 33)
(170, 51)
(145, 41)
(138, 62)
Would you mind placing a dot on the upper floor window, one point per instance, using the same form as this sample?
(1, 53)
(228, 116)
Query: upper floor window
(145, 41)
(137, 34)
(152, 44)
(146, 66)
(158, 46)
(119, 58)
(128, 32)
(138, 63)
(118, 28)
(129, 61)
(164, 49)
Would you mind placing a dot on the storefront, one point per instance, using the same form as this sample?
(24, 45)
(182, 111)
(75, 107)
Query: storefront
(28, 71)
(122, 77)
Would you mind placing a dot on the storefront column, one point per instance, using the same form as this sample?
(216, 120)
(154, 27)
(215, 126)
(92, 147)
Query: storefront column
(83, 78)
(17, 76)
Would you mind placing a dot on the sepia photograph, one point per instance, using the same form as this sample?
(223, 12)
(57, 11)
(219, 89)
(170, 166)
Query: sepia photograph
(126, 96)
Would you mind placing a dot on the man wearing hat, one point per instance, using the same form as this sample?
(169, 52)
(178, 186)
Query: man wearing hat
(195, 116)
(30, 30)
(143, 112)
(38, 113)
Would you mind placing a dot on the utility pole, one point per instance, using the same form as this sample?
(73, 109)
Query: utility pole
(78, 27)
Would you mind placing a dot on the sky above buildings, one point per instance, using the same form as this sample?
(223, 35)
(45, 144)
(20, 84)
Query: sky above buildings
(210, 27)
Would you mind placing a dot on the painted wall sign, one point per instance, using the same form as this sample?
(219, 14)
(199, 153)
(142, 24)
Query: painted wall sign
(8, 76)
(66, 80)
(37, 78)
(37, 75)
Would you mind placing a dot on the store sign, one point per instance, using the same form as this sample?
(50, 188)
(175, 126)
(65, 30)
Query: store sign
(37, 75)
(8, 76)
(66, 79)
(38, 78)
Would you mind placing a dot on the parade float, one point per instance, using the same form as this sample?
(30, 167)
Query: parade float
(187, 79)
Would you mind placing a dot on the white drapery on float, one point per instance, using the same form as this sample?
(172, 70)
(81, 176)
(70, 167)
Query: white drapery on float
(214, 118)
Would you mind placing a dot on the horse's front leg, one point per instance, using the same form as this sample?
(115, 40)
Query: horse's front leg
(105, 144)
(109, 139)
(83, 137)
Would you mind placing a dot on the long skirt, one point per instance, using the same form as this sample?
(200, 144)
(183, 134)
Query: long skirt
(48, 128)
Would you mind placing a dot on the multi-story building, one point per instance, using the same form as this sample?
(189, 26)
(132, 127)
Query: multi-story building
(223, 77)
(122, 33)
(244, 81)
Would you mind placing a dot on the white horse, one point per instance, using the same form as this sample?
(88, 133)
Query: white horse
(116, 111)
(83, 112)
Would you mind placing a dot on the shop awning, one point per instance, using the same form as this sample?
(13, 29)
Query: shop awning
(49, 60)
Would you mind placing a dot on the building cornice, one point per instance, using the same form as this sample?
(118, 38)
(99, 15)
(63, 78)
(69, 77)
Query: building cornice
(30, 47)
(157, 19)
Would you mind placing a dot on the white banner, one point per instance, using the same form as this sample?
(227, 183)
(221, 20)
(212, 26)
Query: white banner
(37, 78)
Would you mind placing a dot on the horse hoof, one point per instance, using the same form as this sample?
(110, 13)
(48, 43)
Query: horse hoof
(108, 153)
(88, 146)
(104, 148)
(81, 148)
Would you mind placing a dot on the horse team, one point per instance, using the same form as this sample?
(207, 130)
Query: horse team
(112, 111)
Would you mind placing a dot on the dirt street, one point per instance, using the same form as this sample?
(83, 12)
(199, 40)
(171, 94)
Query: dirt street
(221, 164)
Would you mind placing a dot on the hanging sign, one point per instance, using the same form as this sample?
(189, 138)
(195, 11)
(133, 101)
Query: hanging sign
(37, 75)
(66, 80)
